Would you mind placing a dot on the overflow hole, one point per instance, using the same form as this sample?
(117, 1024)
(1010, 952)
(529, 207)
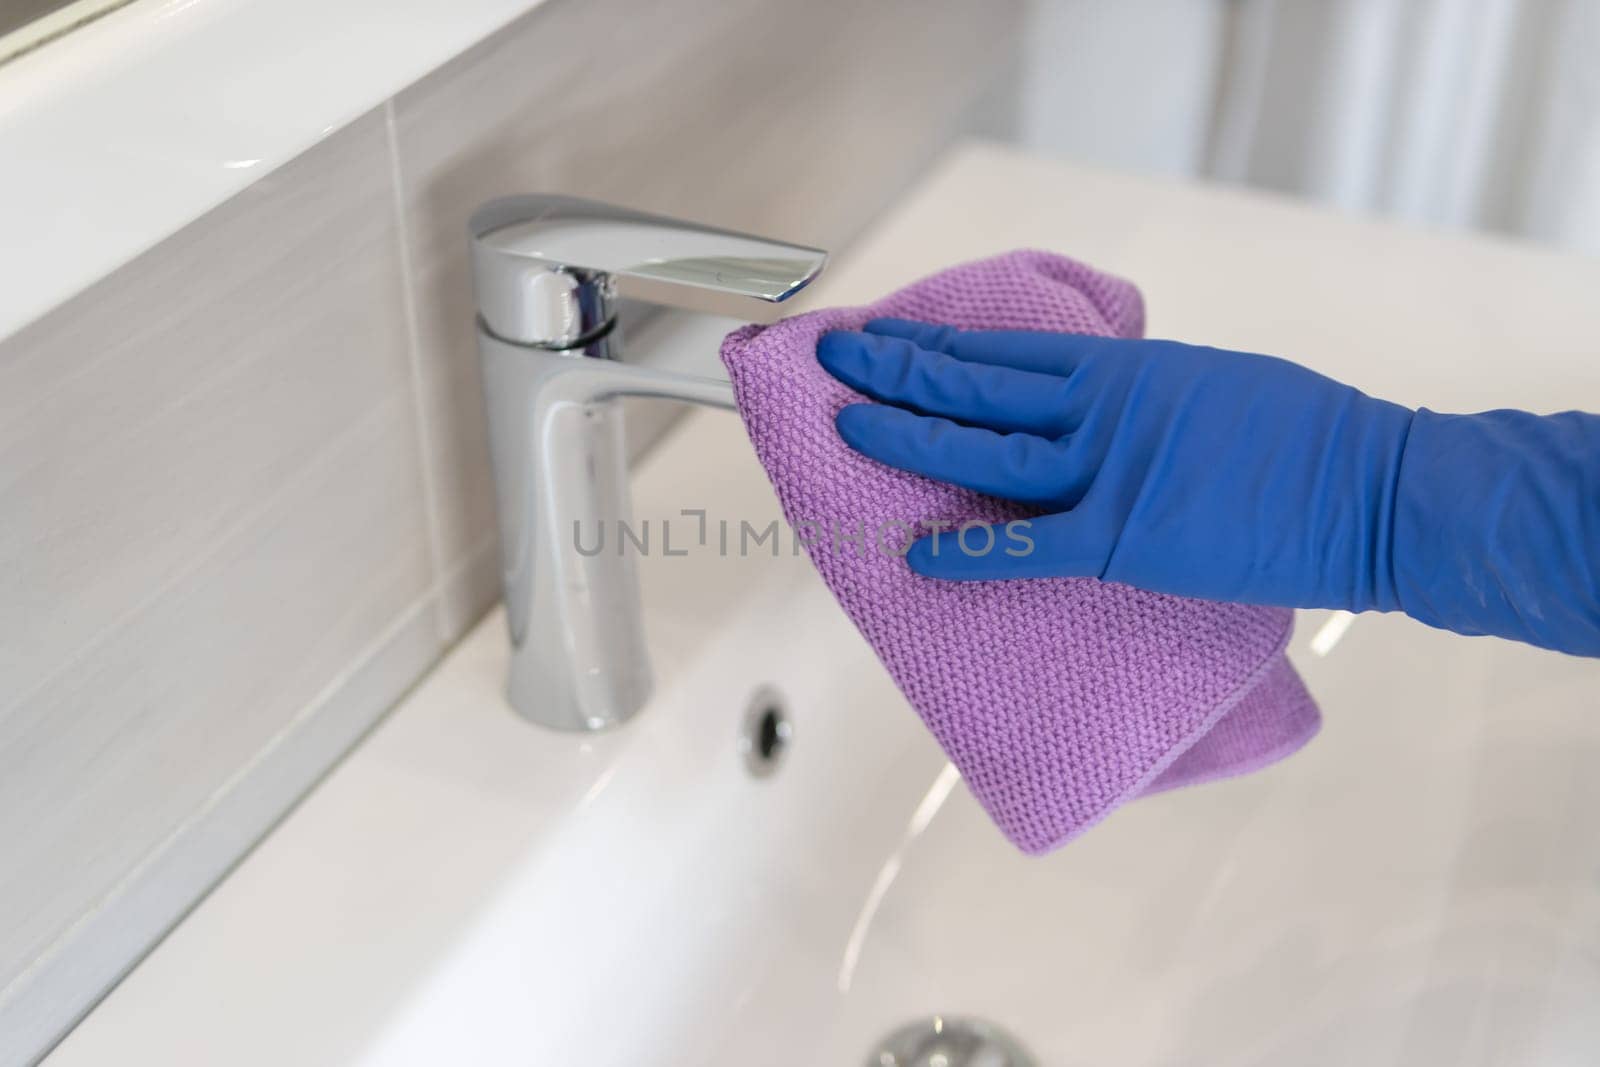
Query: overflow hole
(766, 733)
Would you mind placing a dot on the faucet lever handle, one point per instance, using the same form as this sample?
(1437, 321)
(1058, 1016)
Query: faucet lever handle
(544, 266)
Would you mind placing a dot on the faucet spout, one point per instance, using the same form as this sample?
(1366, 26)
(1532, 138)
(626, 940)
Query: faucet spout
(614, 381)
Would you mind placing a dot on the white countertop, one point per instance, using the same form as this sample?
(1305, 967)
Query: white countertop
(319, 946)
(126, 129)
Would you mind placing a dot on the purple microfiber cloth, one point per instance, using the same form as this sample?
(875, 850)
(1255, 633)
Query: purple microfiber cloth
(1057, 699)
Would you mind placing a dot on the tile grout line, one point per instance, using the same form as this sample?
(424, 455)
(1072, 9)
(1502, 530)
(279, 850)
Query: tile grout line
(424, 432)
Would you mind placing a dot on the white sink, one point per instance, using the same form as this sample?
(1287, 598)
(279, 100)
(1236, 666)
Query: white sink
(1419, 885)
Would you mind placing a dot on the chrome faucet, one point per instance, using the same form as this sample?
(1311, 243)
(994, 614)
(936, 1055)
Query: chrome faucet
(544, 269)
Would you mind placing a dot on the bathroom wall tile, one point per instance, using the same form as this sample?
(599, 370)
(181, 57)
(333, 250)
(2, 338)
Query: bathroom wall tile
(211, 517)
(793, 120)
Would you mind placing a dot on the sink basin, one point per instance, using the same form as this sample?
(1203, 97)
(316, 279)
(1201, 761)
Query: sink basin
(1418, 885)
(773, 863)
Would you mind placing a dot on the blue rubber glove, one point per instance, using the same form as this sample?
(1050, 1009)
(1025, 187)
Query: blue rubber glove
(1236, 477)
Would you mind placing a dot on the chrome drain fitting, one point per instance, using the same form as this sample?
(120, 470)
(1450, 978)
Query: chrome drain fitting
(950, 1041)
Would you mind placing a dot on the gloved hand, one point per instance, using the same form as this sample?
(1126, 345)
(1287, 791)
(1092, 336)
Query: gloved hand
(1228, 476)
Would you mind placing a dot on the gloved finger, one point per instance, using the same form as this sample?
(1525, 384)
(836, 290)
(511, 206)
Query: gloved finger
(1041, 352)
(1014, 466)
(1069, 544)
(898, 372)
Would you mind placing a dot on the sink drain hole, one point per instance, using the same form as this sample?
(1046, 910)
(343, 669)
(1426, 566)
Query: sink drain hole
(766, 733)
